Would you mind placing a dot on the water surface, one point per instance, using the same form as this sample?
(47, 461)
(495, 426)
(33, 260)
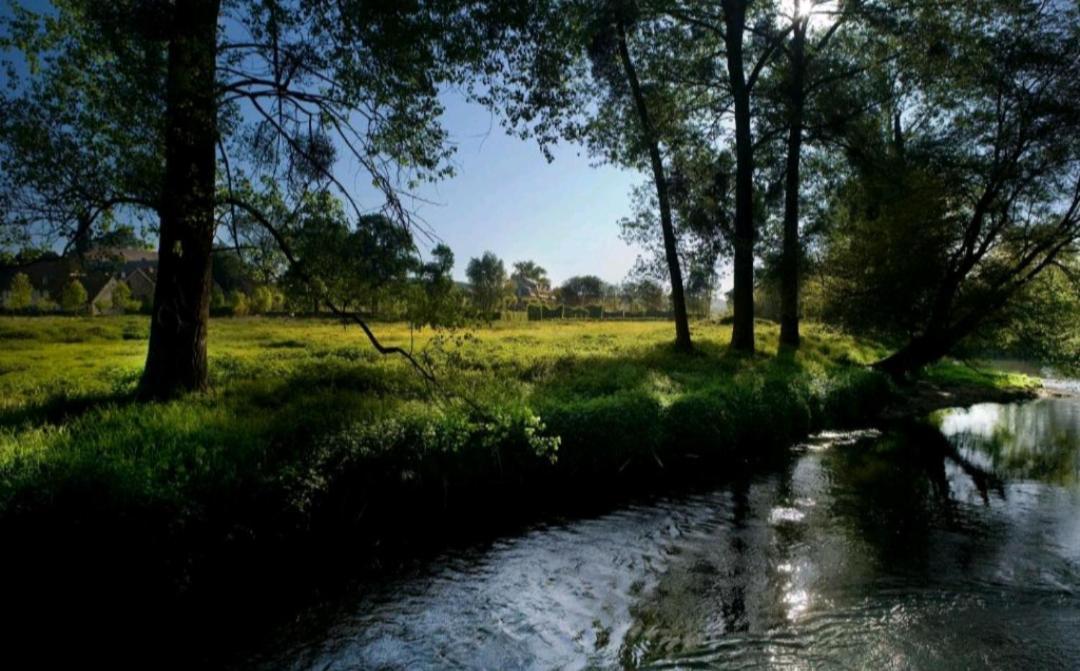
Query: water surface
(955, 545)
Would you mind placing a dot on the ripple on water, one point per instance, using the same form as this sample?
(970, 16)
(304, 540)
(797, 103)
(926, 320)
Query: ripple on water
(855, 555)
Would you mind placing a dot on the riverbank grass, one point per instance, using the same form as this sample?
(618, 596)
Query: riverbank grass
(311, 449)
(571, 396)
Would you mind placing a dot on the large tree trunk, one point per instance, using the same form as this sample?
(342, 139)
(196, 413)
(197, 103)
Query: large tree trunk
(176, 360)
(920, 351)
(789, 261)
(671, 251)
(742, 333)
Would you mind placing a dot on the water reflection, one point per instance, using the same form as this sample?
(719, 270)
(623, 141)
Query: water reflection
(1035, 440)
(907, 550)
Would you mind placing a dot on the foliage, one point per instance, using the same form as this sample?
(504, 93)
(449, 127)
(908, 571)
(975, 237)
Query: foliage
(437, 301)
(262, 300)
(20, 293)
(217, 297)
(487, 277)
(581, 290)
(532, 272)
(80, 123)
(239, 305)
(644, 294)
(1042, 324)
(122, 300)
(73, 297)
(353, 266)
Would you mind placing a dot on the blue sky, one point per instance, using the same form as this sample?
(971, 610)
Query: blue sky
(506, 198)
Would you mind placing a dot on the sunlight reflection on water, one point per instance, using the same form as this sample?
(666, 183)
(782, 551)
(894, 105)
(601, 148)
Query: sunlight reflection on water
(865, 550)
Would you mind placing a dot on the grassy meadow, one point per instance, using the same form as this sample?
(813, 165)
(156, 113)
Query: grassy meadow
(309, 441)
(305, 410)
(575, 395)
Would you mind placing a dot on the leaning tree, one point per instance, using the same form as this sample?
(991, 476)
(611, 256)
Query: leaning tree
(988, 128)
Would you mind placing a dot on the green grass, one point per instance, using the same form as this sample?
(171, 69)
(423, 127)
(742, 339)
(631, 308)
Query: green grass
(293, 400)
(587, 395)
(309, 439)
(951, 372)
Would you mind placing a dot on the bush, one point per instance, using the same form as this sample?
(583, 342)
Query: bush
(602, 435)
(700, 422)
(238, 303)
(854, 394)
(20, 293)
(262, 300)
(122, 301)
(74, 297)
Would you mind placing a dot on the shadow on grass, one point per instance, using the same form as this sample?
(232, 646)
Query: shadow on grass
(62, 408)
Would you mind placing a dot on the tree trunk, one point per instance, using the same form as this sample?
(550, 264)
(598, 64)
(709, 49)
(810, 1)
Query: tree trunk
(671, 251)
(742, 333)
(909, 359)
(789, 262)
(176, 360)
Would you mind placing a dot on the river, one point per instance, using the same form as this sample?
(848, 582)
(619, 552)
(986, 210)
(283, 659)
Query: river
(953, 545)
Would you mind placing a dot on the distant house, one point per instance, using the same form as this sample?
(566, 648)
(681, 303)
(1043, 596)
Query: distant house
(142, 282)
(527, 289)
(99, 271)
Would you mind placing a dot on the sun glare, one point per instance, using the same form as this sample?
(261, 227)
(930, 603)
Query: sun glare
(821, 13)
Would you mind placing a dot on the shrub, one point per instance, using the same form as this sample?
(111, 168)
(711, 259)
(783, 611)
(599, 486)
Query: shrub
(122, 300)
(602, 435)
(262, 300)
(700, 422)
(854, 394)
(238, 303)
(20, 293)
(73, 298)
(45, 303)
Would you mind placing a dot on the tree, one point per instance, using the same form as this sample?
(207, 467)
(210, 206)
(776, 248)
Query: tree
(1041, 324)
(810, 105)
(239, 306)
(644, 294)
(594, 75)
(73, 297)
(353, 265)
(118, 237)
(278, 94)
(582, 290)
(718, 51)
(438, 302)
(487, 275)
(121, 298)
(80, 123)
(999, 139)
(262, 300)
(531, 271)
(20, 293)
(217, 298)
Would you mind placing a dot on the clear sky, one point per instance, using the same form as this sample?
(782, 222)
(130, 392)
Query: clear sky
(506, 198)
